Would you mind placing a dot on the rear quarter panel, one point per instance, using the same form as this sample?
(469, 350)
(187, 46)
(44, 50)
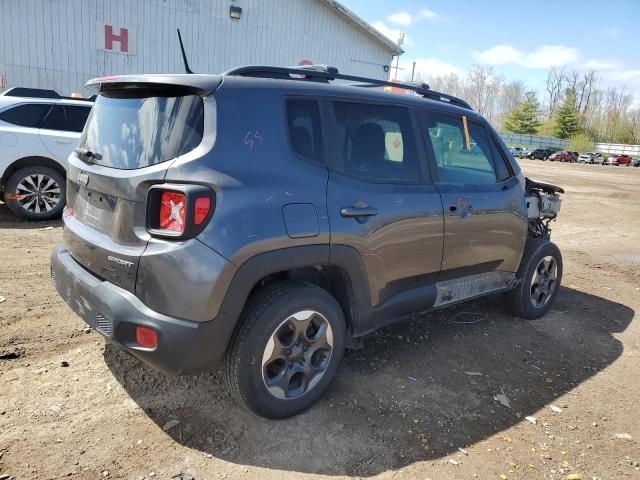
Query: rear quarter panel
(255, 175)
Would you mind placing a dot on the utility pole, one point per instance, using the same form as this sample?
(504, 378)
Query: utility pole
(400, 42)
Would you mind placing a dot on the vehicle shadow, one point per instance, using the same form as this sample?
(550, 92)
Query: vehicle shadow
(419, 390)
(9, 220)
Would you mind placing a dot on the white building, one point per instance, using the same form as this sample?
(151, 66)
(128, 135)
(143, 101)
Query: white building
(60, 44)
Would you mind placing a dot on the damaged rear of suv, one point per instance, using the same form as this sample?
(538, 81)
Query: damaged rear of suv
(268, 219)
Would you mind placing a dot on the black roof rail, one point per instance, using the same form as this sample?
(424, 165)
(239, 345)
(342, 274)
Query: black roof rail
(40, 93)
(324, 74)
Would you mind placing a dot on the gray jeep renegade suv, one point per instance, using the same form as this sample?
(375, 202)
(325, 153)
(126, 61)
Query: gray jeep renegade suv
(269, 218)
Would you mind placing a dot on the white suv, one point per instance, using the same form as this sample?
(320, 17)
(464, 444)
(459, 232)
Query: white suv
(38, 131)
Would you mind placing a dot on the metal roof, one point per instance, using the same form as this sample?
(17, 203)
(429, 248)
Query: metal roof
(353, 18)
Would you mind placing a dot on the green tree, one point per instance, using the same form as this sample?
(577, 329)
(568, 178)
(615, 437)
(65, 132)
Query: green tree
(524, 116)
(567, 117)
(580, 142)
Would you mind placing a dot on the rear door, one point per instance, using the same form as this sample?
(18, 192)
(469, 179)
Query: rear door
(56, 135)
(485, 222)
(380, 197)
(130, 139)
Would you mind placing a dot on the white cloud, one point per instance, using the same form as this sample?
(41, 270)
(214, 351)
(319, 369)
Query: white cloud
(544, 56)
(427, 14)
(428, 67)
(391, 33)
(595, 64)
(405, 19)
(400, 18)
(499, 55)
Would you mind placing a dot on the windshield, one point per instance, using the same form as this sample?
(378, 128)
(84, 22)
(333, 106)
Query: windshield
(128, 132)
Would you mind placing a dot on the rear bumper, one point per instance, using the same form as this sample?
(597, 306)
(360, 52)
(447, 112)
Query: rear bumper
(184, 346)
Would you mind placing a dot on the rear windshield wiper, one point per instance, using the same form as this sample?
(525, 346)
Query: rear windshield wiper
(87, 155)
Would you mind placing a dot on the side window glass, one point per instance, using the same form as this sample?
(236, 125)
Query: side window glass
(502, 169)
(26, 115)
(303, 118)
(456, 161)
(55, 120)
(76, 117)
(376, 142)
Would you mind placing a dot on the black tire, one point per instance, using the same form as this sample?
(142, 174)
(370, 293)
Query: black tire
(36, 207)
(519, 300)
(262, 319)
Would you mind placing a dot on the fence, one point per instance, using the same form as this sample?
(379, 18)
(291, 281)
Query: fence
(633, 150)
(534, 141)
(521, 140)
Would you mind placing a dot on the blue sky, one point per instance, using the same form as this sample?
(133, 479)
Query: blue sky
(519, 39)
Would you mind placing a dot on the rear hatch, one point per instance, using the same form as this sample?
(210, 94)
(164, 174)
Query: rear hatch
(136, 128)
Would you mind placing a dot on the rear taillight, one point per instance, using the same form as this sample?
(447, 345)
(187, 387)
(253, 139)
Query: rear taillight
(203, 206)
(172, 211)
(179, 211)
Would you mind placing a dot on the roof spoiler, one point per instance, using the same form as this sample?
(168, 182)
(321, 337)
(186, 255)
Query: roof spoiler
(200, 84)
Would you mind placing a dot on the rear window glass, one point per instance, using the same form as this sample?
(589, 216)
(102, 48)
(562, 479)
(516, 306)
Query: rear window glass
(76, 117)
(26, 115)
(129, 133)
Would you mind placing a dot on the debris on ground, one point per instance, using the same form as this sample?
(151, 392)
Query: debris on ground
(502, 399)
(465, 318)
(556, 409)
(57, 409)
(10, 354)
(170, 424)
(453, 462)
(183, 476)
(64, 363)
(473, 374)
(624, 436)
(2, 299)
(533, 420)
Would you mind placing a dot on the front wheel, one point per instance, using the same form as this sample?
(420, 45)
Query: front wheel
(287, 350)
(36, 193)
(540, 275)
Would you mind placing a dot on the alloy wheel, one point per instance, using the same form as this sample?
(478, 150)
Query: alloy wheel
(543, 282)
(297, 354)
(38, 193)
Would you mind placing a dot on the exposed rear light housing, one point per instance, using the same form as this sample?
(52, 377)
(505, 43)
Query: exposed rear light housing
(179, 211)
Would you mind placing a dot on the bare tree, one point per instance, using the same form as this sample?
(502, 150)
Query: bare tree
(555, 85)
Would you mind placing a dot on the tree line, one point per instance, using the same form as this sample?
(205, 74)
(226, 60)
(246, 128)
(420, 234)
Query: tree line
(574, 105)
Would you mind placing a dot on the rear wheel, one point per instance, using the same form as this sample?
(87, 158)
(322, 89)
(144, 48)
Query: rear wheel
(540, 275)
(287, 349)
(36, 193)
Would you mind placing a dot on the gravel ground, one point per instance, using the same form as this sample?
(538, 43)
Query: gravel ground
(417, 402)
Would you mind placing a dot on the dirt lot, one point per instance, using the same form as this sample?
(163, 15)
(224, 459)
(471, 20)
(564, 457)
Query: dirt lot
(417, 402)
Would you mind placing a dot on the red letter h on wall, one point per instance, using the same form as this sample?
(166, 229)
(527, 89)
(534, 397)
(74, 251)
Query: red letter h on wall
(122, 39)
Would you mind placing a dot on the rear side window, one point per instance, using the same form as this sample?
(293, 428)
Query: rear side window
(376, 142)
(55, 119)
(76, 117)
(130, 130)
(456, 161)
(303, 119)
(25, 115)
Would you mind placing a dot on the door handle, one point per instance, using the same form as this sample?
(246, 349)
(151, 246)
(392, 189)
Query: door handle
(461, 208)
(358, 211)
(59, 140)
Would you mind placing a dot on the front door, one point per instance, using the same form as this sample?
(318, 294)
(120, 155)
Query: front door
(485, 219)
(381, 200)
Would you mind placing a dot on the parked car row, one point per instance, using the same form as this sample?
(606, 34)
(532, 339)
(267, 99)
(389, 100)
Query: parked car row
(574, 157)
